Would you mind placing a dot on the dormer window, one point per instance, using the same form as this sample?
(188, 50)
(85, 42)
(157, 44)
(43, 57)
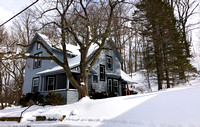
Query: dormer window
(38, 46)
(37, 62)
(109, 62)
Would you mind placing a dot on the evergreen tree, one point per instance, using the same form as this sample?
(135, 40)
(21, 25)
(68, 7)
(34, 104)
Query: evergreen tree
(165, 53)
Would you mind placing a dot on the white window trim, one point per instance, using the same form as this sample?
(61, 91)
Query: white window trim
(111, 62)
(38, 46)
(35, 79)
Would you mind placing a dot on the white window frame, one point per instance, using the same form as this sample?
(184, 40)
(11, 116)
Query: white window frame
(35, 85)
(38, 46)
(109, 61)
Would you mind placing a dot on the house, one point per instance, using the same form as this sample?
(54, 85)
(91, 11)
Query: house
(45, 75)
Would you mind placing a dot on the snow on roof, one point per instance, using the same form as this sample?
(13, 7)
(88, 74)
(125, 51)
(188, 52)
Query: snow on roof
(69, 47)
(126, 77)
(54, 69)
(73, 62)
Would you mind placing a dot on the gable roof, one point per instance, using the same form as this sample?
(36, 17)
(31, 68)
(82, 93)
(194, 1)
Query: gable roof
(75, 61)
(72, 49)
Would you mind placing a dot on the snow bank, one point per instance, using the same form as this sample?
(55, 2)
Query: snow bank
(174, 107)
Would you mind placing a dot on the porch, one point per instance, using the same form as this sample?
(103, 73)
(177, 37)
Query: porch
(59, 83)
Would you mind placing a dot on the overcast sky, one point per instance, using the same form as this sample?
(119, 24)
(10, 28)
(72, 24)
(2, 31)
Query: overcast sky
(9, 8)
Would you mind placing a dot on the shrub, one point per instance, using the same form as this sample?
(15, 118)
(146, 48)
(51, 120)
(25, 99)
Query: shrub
(102, 95)
(112, 94)
(31, 99)
(53, 98)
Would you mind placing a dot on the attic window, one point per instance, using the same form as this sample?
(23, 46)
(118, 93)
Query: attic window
(109, 62)
(38, 46)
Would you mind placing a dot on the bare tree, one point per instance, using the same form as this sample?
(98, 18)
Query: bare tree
(185, 9)
(12, 70)
(87, 23)
(3, 38)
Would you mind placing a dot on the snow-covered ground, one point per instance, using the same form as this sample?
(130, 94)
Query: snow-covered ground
(177, 107)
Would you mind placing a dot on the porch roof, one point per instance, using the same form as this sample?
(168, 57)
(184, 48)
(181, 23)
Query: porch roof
(59, 69)
(127, 78)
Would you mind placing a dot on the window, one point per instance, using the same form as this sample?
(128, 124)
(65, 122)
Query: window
(109, 85)
(109, 62)
(50, 83)
(71, 86)
(102, 73)
(35, 85)
(37, 62)
(115, 86)
(95, 78)
(38, 46)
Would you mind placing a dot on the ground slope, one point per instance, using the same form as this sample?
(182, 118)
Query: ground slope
(178, 107)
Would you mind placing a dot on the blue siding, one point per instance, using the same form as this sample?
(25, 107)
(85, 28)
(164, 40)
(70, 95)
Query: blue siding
(70, 96)
(115, 73)
(30, 73)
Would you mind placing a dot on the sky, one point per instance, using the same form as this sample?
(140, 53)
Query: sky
(9, 8)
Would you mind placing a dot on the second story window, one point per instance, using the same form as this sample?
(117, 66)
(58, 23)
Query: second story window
(109, 62)
(37, 62)
(102, 72)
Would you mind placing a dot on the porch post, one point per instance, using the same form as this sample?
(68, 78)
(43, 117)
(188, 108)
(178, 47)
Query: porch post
(67, 84)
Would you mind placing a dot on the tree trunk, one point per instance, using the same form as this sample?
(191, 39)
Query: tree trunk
(136, 52)
(83, 90)
(158, 59)
(148, 80)
(186, 43)
(1, 86)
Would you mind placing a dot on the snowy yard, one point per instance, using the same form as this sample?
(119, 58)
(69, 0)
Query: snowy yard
(179, 107)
